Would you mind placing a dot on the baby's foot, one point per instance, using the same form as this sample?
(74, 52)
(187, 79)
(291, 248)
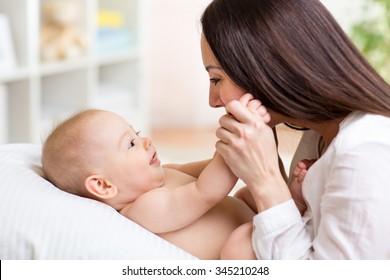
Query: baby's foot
(255, 106)
(299, 173)
(259, 109)
(296, 181)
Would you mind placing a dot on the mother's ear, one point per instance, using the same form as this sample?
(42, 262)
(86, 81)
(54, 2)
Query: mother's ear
(100, 187)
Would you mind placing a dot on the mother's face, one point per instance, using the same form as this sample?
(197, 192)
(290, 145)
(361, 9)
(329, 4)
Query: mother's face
(222, 88)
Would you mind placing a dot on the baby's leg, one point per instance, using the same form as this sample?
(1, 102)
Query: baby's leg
(239, 244)
(245, 195)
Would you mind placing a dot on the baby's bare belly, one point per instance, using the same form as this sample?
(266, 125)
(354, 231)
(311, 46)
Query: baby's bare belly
(205, 237)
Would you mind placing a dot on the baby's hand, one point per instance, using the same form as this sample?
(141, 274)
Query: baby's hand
(255, 106)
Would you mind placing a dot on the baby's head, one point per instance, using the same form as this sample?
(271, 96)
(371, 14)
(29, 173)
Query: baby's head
(67, 153)
(97, 154)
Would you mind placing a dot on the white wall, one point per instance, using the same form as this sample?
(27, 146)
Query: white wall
(346, 12)
(178, 81)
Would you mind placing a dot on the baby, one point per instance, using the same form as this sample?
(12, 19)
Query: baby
(98, 155)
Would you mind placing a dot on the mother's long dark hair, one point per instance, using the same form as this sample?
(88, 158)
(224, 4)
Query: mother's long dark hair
(294, 57)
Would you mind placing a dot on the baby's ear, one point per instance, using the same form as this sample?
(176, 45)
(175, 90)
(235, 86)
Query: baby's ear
(100, 187)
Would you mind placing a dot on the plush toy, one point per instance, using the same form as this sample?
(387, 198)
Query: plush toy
(59, 38)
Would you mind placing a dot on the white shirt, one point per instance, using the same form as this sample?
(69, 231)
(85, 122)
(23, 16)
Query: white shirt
(348, 196)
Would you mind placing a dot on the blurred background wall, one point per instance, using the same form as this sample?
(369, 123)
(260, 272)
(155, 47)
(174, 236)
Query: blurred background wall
(178, 82)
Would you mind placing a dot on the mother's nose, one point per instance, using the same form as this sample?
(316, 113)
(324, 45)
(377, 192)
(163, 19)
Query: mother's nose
(215, 99)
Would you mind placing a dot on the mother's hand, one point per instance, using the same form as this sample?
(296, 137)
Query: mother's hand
(248, 146)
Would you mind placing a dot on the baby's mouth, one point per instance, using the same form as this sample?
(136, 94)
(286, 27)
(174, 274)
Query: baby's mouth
(155, 160)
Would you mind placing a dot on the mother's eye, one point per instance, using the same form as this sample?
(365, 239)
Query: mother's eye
(214, 81)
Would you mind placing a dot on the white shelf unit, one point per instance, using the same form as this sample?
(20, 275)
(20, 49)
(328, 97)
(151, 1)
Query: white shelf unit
(37, 94)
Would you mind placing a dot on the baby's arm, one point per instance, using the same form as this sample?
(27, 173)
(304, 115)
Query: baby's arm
(167, 209)
(193, 168)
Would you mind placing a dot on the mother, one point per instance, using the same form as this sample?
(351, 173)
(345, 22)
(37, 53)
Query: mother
(293, 57)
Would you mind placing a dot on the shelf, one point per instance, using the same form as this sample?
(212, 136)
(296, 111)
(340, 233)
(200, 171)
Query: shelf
(118, 57)
(13, 75)
(52, 68)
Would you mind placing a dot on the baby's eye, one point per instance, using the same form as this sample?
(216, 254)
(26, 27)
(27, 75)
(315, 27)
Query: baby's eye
(214, 81)
(131, 143)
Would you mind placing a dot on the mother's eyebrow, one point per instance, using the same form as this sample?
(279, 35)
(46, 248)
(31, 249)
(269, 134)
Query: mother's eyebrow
(209, 67)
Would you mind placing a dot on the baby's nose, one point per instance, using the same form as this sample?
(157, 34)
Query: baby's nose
(147, 142)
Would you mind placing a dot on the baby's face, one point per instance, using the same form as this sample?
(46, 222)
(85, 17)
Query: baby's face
(127, 160)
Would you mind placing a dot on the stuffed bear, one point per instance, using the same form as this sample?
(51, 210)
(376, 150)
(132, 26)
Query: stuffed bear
(59, 37)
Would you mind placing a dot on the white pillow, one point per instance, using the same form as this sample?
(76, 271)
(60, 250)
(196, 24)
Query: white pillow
(39, 221)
